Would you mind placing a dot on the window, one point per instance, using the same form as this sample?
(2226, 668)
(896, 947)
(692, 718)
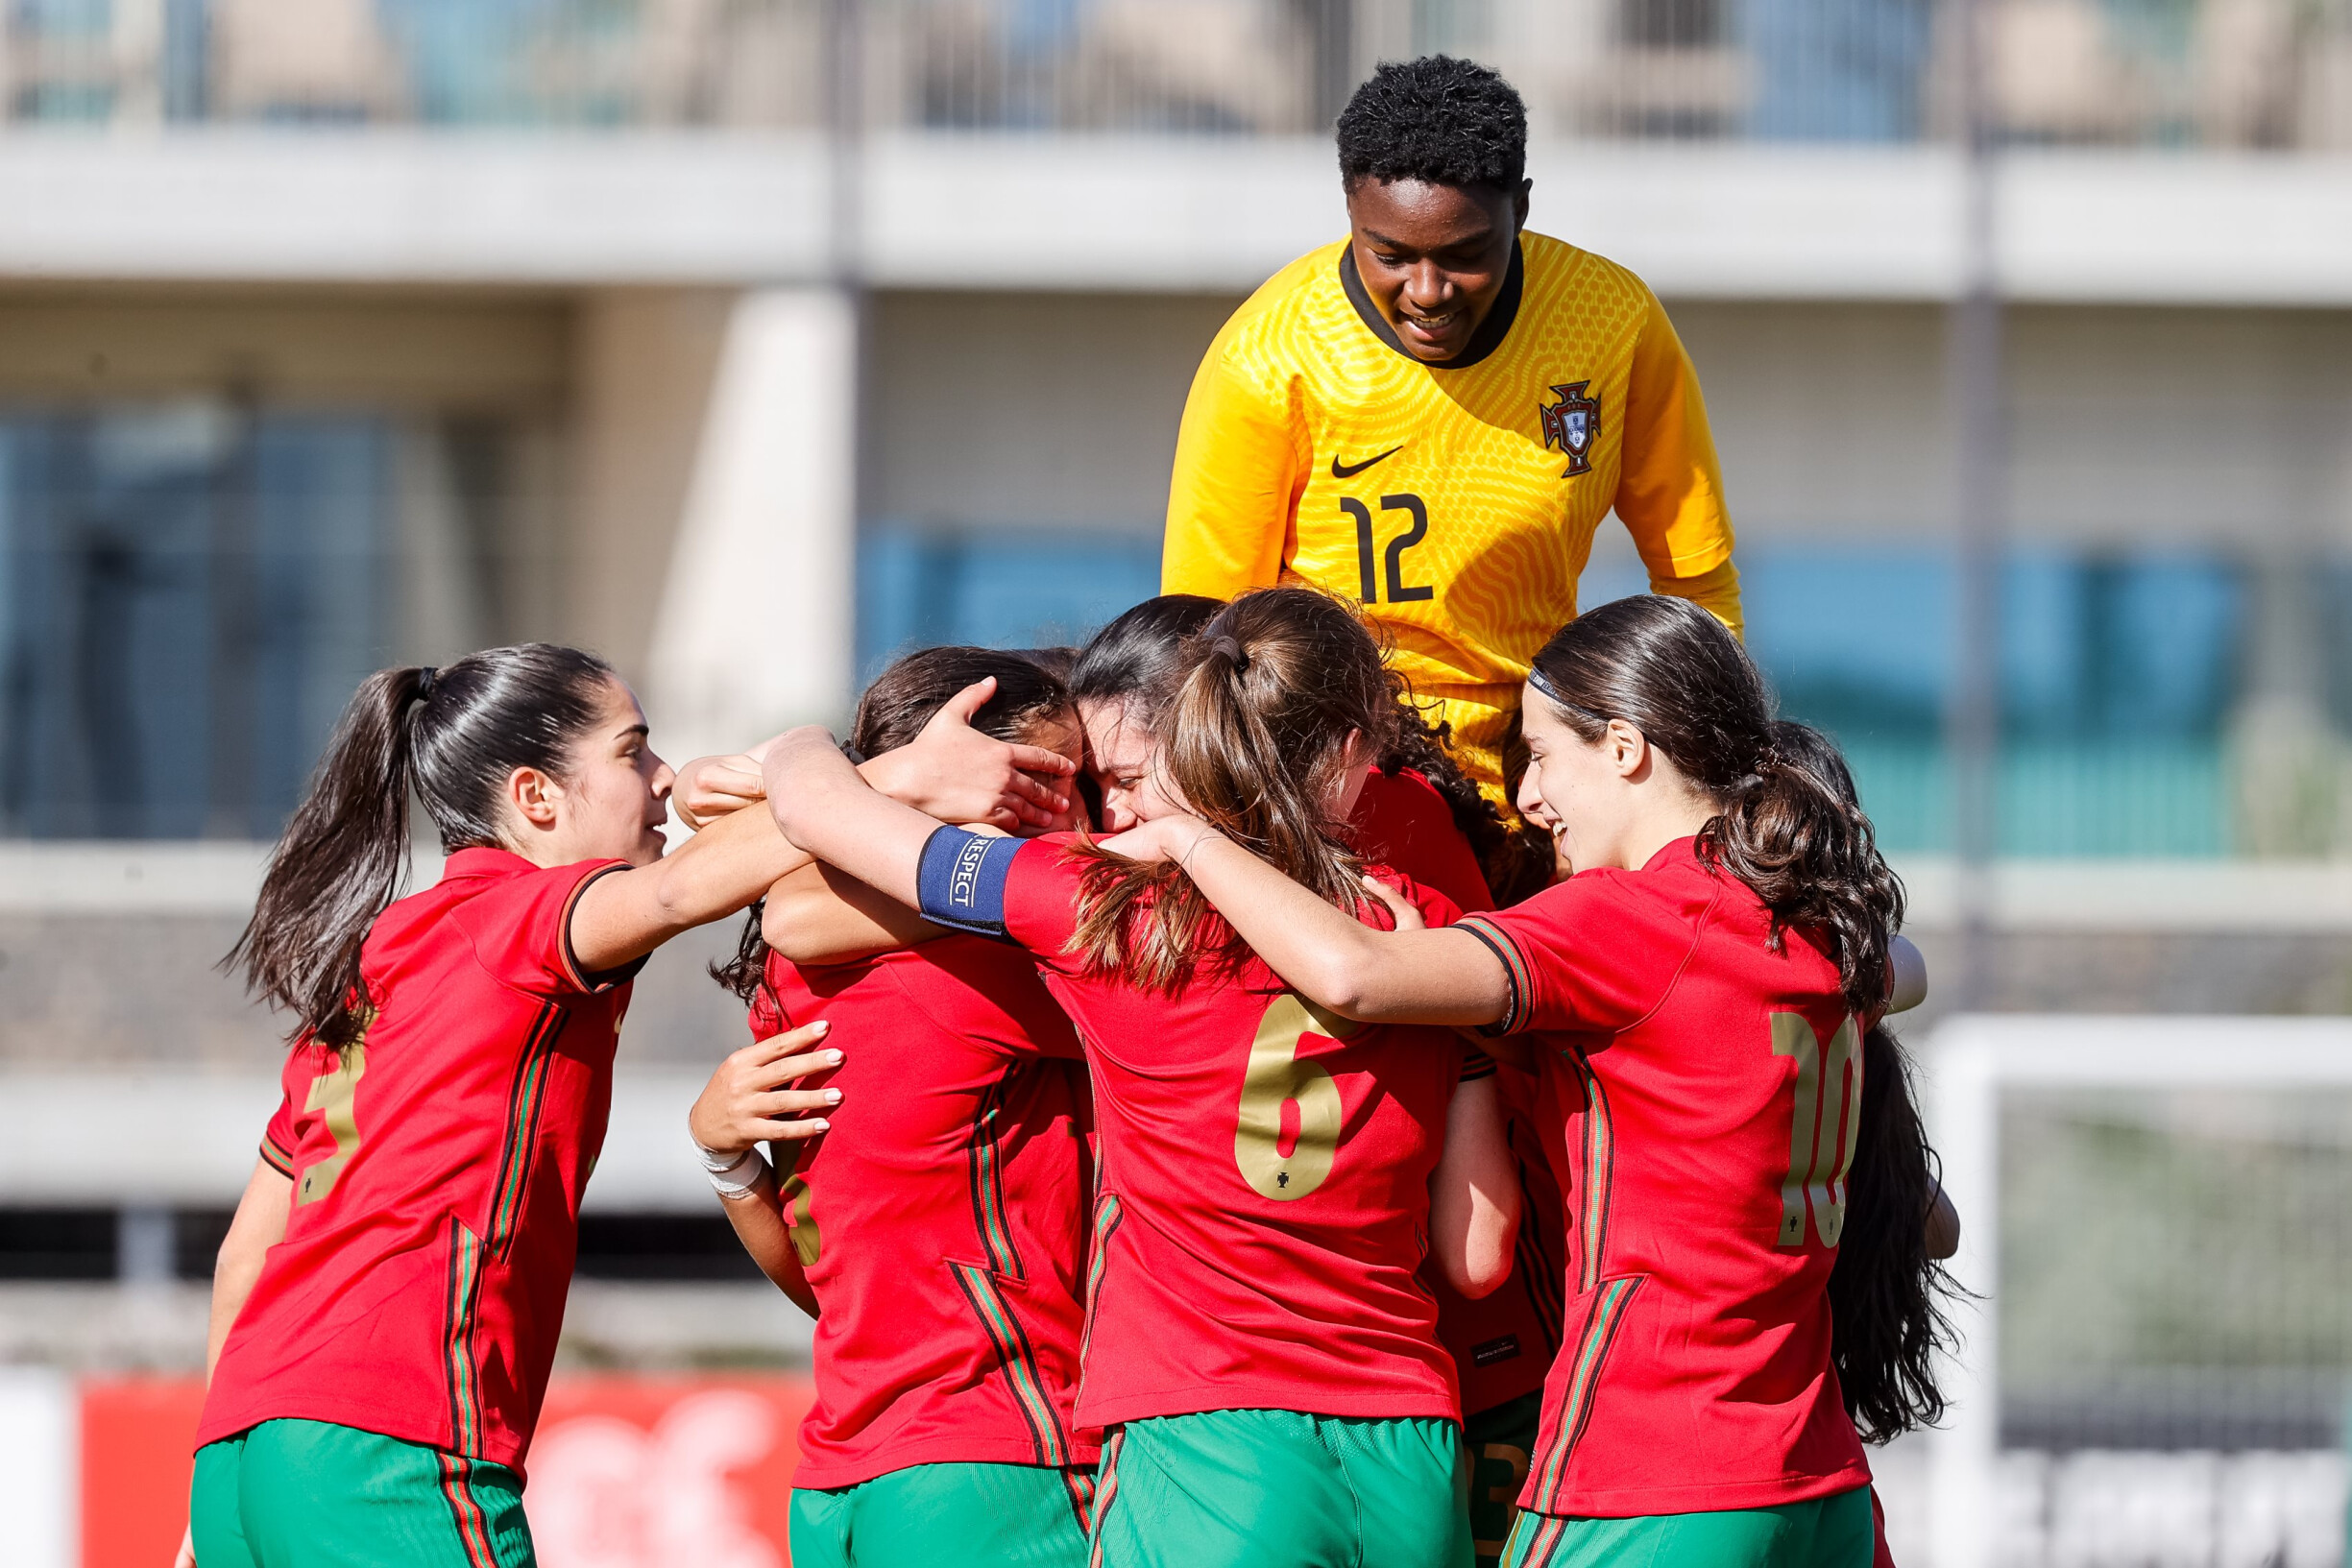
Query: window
(188, 595)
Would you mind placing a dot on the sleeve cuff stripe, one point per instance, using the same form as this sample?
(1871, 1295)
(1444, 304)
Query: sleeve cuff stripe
(580, 978)
(1515, 971)
(277, 1159)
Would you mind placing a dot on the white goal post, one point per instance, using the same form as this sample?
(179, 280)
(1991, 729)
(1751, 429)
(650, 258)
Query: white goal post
(1970, 1062)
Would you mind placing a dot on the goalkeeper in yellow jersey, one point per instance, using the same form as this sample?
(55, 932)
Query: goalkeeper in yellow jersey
(1434, 414)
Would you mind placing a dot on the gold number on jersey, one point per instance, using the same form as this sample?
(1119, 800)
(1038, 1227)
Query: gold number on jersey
(333, 1093)
(1290, 1112)
(1367, 578)
(1823, 1128)
(799, 1217)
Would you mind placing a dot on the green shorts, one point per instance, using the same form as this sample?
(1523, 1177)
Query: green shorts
(305, 1494)
(973, 1515)
(1279, 1489)
(1500, 1439)
(1833, 1531)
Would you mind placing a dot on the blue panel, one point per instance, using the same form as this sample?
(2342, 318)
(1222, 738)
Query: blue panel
(919, 587)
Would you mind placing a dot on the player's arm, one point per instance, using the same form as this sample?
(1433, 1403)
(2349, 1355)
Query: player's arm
(1326, 954)
(1239, 466)
(1670, 483)
(1474, 1194)
(822, 915)
(749, 1102)
(258, 1225)
(950, 771)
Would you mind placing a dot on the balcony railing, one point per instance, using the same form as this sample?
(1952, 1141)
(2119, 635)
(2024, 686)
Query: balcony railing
(2205, 73)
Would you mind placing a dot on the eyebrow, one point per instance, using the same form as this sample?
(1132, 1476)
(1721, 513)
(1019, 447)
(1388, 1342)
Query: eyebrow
(1484, 236)
(637, 729)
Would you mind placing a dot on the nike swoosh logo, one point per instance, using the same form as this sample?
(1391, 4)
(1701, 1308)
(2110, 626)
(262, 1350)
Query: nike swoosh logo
(1349, 470)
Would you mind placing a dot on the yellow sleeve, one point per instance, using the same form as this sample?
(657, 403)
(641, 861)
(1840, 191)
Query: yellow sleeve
(1238, 467)
(1670, 486)
(1716, 591)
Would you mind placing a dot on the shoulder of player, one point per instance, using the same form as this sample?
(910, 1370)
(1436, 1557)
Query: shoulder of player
(1556, 268)
(1626, 899)
(1302, 291)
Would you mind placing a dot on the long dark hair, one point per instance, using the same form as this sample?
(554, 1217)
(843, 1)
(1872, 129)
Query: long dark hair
(1256, 740)
(1675, 674)
(454, 734)
(1887, 1295)
(893, 711)
(1505, 858)
(1137, 658)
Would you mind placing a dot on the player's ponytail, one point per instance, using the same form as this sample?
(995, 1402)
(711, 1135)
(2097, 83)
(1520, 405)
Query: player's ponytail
(1675, 674)
(454, 734)
(1886, 1292)
(1255, 742)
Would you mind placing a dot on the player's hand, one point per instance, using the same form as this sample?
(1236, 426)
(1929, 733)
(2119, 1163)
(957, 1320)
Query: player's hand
(709, 787)
(1158, 838)
(1408, 918)
(187, 1549)
(746, 1103)
(953, 772)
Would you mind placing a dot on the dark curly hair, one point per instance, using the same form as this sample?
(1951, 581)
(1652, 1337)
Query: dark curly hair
(1439, 120)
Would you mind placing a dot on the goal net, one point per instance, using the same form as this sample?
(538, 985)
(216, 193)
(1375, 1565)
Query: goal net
(2158, 1224)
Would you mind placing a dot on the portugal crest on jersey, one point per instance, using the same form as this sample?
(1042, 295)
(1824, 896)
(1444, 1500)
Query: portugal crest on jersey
(1571, 424)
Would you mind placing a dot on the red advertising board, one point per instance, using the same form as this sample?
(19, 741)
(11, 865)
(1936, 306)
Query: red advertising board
(626, 1472)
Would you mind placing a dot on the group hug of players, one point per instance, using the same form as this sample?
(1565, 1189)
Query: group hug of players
(1356, 1064)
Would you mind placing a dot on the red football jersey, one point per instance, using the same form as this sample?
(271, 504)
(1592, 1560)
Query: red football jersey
(438, 1167)
(1264, 1204)
(1705, 1089)
(1502, 1344)
(942, 1223)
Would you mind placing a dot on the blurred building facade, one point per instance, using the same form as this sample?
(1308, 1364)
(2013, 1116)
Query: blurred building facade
(751, 341)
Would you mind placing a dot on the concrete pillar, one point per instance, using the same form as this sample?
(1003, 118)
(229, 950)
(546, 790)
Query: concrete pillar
(2292, 773)
(757, 611)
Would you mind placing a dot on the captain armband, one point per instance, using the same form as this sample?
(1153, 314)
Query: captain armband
(960, 879)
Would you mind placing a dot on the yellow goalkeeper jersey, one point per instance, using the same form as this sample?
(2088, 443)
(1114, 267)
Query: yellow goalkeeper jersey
(1456, 501)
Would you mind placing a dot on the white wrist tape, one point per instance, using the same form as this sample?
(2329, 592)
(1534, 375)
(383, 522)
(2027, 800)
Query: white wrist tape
(732, 1175)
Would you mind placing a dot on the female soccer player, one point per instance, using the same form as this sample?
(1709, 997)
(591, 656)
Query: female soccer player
(1698, 991)
(939, 1236)
(388, 1299)
(1419, 815)
(1258, 1348)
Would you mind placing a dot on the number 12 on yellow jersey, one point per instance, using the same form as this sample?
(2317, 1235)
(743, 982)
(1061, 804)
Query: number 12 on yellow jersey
(1370, 580)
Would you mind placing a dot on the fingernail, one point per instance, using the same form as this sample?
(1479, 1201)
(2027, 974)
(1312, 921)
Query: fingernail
(822, 1124)
(833, 1056)
(833, 1096)
(823, 1026)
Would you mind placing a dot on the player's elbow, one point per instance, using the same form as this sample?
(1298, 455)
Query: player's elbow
(1348, 978)
(1479, 1265)
(1943, 1237)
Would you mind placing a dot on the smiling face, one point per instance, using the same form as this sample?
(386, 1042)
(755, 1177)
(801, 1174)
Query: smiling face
(1433, 257)
(1122, 760)
(1574, 789)
(609, 801)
